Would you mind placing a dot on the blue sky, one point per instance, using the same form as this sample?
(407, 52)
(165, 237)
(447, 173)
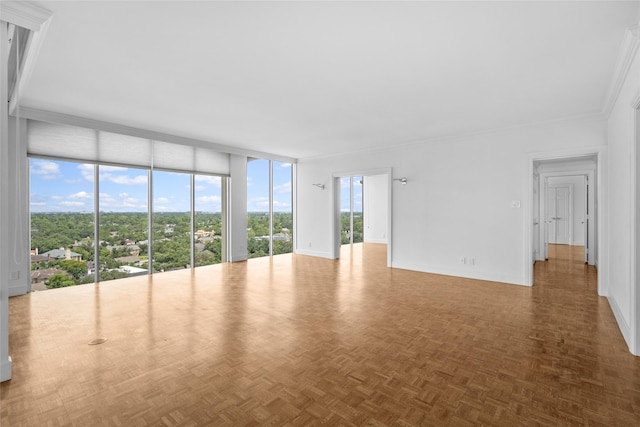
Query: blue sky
(258, 186)
(345, 195)
(59, 186)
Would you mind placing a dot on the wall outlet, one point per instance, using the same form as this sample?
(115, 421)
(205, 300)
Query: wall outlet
(309, 244)
(472, 261)
(463, 260)
(15, 275)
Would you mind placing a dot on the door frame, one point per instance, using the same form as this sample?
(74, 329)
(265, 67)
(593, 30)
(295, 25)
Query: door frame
(593, 255)
(335, 208)
(600, 192)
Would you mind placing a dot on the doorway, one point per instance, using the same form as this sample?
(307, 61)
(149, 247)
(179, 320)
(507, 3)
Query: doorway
(362, 207)
(564, 209)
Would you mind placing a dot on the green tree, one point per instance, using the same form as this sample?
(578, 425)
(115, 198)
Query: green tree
(76, 268)
(60, 281)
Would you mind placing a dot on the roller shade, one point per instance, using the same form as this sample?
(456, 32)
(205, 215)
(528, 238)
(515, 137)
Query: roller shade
(46, 139)
(123, 149)
(76, 143)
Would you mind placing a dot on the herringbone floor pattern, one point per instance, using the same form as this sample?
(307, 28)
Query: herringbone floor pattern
(296, 341)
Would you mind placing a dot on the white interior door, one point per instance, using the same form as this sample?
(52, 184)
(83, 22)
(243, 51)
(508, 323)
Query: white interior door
(559, 215)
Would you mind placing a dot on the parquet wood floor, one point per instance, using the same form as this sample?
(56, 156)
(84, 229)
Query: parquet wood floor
(297, 341)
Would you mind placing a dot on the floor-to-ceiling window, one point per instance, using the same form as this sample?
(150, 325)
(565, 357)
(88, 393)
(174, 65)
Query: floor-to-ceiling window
(106, 205)
(269, 208)
(357, 234)
(123, 225)
(120, 205)
(62, 218)
(258, 208)
(282, 229)
(171, 240)
(209, 227)
(62, 199)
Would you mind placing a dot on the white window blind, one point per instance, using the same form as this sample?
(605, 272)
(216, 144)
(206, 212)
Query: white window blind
(123, 149)
(209, 161)
(173, 156)
(71, 142)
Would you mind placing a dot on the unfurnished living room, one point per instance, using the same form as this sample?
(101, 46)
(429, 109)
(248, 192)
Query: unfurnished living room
(298, 213)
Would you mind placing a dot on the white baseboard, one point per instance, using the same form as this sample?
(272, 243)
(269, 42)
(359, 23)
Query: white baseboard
(314, 253)
(475, 274)
(5, 369)
(622, 323)
(383, 241)
(15, 290)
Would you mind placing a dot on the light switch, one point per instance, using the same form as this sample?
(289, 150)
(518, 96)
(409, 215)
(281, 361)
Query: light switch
(515, 203)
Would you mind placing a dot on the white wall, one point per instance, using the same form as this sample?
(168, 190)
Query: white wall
(376, 208)
(19, 262)
(578, 200)
(458, 200)
(621, 166)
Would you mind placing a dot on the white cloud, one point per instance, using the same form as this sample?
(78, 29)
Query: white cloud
(280, 205)
(86, 171)
(130, 202)
(285, 165)
(283, 188)
(160, 200)
(208, 199)
(107, 168)
(123, 202)
(81, 195)
(45, 169)
(259, 202)
(115, 174)
(71, 204)
(38, 203)
(208, 179)
(125, 180)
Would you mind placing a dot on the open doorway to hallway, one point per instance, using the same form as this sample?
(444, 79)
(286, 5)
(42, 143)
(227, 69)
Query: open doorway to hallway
(564, 211)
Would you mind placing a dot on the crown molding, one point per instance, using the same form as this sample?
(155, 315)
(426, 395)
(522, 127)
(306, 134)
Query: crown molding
(458, 137)
(627, 54)
(24, 14)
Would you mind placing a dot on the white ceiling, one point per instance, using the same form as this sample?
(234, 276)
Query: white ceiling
(303, 79)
